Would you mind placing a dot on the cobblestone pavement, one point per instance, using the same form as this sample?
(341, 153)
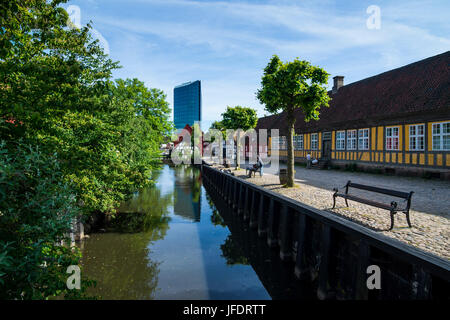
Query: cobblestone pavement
(429, 214)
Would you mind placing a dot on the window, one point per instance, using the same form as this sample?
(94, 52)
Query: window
(275, 143)
(340, 140)
(441, 136)
(314, 141)
(392, 138)
(417, 137)
(298, 142)
(327, 136)
(351, 139)
(283, 144)
(363, 139)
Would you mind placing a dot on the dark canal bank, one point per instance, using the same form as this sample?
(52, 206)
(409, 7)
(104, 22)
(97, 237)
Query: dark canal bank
(172, 241)
(334, 254)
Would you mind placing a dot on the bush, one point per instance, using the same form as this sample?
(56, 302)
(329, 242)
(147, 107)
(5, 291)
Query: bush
(36, 210)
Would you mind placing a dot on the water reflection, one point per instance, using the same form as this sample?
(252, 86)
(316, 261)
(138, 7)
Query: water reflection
(216, 218)
(243, 246)
(119, 260)
(159, 248)
(120, 265)
(233, 252)
(187, 192)
(147, 211)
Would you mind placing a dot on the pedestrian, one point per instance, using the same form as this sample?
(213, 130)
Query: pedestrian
(308, 161)
(261, 165)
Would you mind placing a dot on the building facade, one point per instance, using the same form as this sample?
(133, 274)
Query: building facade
(187, 104)
(396, 122)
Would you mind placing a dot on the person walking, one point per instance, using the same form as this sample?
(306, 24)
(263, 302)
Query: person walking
(260, 164)
(308, 161)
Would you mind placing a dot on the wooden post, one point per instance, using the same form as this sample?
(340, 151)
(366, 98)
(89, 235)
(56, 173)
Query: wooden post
(272, 225)
(230, 191)
(235, 195)
(223, 185)
(254, 209)
(246, 203)
(217, 183)
(262, 218)
(238, 195)
(302, 270)
(325, 272)
(361, 290)
(285, 233)
(241, 199)
(230, 187)
(421, 284)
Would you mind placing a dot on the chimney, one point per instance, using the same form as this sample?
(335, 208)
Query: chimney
(338, 82)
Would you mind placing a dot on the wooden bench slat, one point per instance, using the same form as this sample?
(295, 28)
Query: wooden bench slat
(399, 194)
(367, 201)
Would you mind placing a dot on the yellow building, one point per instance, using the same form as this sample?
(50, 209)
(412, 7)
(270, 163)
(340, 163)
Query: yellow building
(396, 122)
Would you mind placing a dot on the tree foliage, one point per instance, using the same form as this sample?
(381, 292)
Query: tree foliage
(294, 85)
(290, 86)
(36, 211)
(57, 96)
(239, 118)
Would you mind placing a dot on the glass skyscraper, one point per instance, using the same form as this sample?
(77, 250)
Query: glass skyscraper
(187, 104)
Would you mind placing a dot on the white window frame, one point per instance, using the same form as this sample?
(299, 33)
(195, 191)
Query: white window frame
(391, 136)
(283, 143)
(298, 142)
(363, 139)
(351, 139)
(314, 141)
(340, 141)
(275, 141)
(415, 137)
(440, 134)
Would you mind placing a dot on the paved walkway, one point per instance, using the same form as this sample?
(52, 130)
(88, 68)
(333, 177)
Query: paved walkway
(430, 196)
(429, 212)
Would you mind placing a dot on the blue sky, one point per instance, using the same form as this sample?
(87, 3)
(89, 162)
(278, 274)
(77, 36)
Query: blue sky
(226, 44)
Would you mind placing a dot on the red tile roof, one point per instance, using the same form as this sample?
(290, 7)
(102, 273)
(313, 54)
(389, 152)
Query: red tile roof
(418, 91)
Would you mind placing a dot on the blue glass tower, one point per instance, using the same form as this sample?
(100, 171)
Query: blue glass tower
(187, 104)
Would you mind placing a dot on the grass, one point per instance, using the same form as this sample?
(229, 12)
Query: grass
(296, 185)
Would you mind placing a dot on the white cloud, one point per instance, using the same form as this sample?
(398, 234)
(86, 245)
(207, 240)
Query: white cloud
(226, 43)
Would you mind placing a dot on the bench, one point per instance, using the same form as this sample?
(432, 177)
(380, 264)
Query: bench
(253, 170)
(393, 207)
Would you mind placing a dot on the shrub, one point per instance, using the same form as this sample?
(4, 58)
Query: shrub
(36, 210)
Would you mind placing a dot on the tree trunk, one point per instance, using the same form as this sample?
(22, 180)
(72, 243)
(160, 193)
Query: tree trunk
(290, 148)
(238, 158)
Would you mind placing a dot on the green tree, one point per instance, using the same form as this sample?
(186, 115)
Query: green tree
(290, 86)
(36, 211)
(56, 92)
(217, 125)
(56, 95)
(196, 143)
(239, 118)
(141, 115)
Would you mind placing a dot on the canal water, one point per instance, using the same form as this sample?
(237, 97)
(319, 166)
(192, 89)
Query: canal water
(172, 241)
